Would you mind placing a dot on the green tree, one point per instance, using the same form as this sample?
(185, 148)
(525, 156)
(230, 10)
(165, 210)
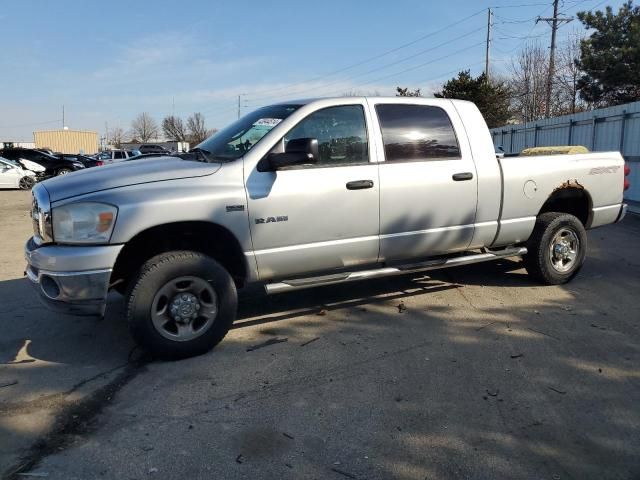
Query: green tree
(492, 98)
(610, 56)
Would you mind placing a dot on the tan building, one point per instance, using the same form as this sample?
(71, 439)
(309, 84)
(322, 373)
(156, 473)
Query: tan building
(67, 141)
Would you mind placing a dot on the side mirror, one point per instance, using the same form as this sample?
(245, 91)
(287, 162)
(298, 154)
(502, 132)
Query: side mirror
(300, 151)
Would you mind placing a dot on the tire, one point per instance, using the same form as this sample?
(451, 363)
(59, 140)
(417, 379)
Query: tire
(63, 171)
(174, 286)
(556, 248)
(26, 183)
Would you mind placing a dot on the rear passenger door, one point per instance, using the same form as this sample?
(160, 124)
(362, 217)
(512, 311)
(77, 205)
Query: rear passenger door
(428, 181)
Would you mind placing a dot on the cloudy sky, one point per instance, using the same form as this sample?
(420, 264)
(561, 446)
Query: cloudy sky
(108, 61)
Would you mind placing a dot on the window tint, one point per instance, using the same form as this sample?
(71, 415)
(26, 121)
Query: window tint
(416, 132)
(341, 133)
(118, 155)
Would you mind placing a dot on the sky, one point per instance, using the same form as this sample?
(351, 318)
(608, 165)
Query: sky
(108, 61)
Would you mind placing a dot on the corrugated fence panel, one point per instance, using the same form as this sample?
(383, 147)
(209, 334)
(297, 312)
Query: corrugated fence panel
(608, 129)
(632, 136)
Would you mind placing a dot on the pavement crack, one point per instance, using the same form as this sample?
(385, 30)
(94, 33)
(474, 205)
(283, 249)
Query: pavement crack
(76, 418)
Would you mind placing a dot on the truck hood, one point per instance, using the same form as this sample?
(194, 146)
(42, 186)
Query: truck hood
(125, 173)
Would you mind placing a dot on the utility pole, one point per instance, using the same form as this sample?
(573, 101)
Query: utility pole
(488, 51)
(240, 103)
(555, 22)
(63, 117)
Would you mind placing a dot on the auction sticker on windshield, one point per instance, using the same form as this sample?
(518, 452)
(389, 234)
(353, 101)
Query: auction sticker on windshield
(267, 122)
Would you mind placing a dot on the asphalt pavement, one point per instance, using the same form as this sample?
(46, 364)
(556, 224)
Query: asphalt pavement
(475, 372)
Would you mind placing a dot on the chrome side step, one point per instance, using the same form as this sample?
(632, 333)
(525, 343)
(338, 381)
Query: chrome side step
(331, 279)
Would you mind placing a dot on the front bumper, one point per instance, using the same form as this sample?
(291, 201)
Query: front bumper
(71, 279)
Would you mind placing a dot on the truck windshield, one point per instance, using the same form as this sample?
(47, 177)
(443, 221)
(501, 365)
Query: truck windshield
(238, 138)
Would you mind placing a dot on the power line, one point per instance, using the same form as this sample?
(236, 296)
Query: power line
(377, 69)
(31, 124)
(415, 67)
(375, 57)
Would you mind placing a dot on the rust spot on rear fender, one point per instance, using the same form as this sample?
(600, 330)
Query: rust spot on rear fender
(571, 183)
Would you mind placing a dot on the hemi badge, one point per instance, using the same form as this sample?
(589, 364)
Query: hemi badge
(235, 208)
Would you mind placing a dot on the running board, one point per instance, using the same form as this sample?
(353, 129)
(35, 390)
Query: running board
(299, 284)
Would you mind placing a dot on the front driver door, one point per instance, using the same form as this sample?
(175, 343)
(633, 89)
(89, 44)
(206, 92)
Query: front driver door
(314, 218)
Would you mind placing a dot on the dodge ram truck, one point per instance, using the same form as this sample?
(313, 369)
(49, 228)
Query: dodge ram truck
(307, 193)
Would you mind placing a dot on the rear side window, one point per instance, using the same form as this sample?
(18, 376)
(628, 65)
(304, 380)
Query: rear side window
(417, 132)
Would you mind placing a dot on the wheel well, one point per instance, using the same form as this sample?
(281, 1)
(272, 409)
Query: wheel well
(572, 200)
(204, 237)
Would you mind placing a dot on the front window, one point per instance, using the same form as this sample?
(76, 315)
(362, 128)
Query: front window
(238, 138)
(341, 133)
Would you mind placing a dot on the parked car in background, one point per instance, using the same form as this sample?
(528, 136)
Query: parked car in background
(153, 149)
(143, 156)
(113, 156)
(12, 175)
(53, 165)
(88, 162)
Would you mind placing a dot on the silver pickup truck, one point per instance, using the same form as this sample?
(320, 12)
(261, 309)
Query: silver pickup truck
(308, 193)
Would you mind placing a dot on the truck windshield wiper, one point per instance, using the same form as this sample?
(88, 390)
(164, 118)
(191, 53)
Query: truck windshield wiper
(210, 157)
(204, 154)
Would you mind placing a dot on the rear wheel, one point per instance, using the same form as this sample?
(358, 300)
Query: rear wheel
(181, 304)
(64, 171)
(556, 248)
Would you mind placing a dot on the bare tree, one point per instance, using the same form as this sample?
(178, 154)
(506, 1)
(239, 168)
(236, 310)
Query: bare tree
(144, 128)
(116, 137)
(361, 93)
(528, 82)
(174, 128)
(405, 92)
(196, 128)
(566, 93)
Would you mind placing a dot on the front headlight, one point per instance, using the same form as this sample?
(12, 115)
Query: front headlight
(85, 222)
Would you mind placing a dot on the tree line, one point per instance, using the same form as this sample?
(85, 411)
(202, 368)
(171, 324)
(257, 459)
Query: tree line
(597, 70)
(144, 128)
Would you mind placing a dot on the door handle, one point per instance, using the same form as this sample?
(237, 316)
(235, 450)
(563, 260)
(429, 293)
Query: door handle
(460, 177)
(359, 184)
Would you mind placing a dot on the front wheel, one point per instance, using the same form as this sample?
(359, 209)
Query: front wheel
(181, 304)
(64, 171)
(556, 248)
(26, 183)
